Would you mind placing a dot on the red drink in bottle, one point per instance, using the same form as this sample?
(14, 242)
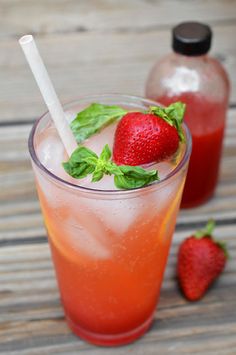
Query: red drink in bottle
(190, 76)
(206, 122)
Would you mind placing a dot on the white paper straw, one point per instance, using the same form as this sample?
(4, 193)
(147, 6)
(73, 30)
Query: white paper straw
(47, 90)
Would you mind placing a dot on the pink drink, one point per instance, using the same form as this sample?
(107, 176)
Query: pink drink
(109, 246)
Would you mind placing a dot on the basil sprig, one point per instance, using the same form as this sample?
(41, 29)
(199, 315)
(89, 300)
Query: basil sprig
(84, 161)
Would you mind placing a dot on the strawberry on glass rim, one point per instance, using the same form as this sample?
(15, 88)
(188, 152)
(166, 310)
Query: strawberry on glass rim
(143, 138)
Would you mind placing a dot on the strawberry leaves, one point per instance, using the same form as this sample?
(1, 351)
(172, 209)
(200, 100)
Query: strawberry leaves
(84, 161)
(172, 114)
(206, 231)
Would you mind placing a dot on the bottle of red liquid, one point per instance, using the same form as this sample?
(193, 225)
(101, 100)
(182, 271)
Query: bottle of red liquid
(191, 76)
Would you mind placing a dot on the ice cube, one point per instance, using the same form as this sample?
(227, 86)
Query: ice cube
(51, 154)
(106, 183)
(87, 237)
(119, 214)
(98, 141)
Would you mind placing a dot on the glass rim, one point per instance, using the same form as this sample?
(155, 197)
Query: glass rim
(70, 185)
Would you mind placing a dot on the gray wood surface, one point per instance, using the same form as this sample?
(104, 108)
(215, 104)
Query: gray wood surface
(94, 47)
(96, 60)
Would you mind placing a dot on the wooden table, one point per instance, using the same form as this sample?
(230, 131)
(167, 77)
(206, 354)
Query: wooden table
(94, 47)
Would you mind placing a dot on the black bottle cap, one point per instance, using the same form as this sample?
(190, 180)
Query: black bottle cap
(191, 38)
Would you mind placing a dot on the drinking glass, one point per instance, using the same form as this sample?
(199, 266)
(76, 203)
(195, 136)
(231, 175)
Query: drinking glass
(109, 247)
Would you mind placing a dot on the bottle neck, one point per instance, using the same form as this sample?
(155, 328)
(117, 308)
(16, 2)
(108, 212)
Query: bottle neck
(191, 62)
(188, 58)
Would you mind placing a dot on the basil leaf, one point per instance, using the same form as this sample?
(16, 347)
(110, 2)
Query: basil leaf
(81, 153)
(78, 171)
(97, 175)
(173, 114)
(106, 153)
(92, 119)
(114, 169)
(81, 163)
(134, 177)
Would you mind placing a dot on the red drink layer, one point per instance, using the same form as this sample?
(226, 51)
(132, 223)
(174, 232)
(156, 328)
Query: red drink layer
(206, 120)
(112, 301)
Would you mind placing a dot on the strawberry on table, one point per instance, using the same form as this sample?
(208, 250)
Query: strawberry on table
(201, 259)
(142, 138)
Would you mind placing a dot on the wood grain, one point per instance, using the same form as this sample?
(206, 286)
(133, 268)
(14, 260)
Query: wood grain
(64, 16)
(88, 63)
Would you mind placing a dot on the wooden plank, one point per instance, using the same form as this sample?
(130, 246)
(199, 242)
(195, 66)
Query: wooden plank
(32, 320)
(170, 335)
(92, 62)
(44, 17)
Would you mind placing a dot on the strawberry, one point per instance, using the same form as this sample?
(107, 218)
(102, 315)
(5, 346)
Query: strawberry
(144, 138)
(201, 260)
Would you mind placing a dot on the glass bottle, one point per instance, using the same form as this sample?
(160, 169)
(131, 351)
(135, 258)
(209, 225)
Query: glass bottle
(189, 75)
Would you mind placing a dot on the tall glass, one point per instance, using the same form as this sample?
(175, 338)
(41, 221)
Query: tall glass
(109, 247)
